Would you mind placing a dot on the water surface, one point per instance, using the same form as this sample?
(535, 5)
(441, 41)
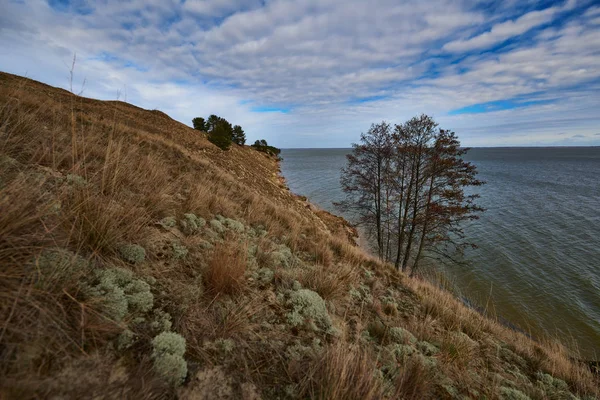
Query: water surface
(538, 256)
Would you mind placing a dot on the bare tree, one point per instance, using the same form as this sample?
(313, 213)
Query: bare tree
(407, 188)
(365, 180)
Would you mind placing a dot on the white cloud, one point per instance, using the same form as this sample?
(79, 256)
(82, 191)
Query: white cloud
(319, 58)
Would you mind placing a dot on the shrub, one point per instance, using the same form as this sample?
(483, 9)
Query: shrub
(262, 146)
(264, 276)
(234, 225)
(507, 393)
(132, 253)
(282, 257)
(120, 293)
(55, 266)
(168, 222)
(191, 224)
(169, 348)
(217, 226)
(225, 272)
(179, 250)
(306, 304)
(401, 335)
(220, 136)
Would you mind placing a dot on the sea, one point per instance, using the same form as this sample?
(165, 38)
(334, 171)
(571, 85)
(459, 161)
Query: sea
(537, 261)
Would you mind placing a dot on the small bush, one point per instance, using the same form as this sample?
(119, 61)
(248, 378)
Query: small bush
(169, 348)
(225, 272)
(120, 293)
(220, 137)
(264, 276)
(217, 226)
(179, 250)
(234, 225)
(307, 304)
(507, 393)
(401, 335)
(132, 253)
(191, 224)
(168, 222)
(282, 257)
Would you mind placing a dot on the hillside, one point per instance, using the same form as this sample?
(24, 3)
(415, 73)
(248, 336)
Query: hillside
(138, 260)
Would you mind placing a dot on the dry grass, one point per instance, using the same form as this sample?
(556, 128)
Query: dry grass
(225, 272)
(414, 382)
(343, 372)
(331, 283)
(137, 167)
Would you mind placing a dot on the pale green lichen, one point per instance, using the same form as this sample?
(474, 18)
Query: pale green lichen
(298, 352)
(225, 345)
(554, 387)
(234, 225)
(307, 304)
(54, 266)
(264, 276)
(427, 348)
(132, 253)
(169, 348)
(125, 340)
(120, 293)
(205, 245)
(400, 351)
(362, 293)
(168, 222)
(217, 226)
(401, 335)
(507, 393)
(161, 321)
(77, 180)
(282, 257)
(191, 224)
(179, 250)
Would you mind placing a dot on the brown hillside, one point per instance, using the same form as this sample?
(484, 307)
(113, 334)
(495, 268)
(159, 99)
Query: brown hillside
(137, 260)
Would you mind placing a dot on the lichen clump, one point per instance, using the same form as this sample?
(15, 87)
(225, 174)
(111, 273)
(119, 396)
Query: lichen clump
(234, 225)
(168, 222)
(168, 351)
(401, 335)
(282, 257)
(217, 226)
(191, 224)
(179, 250)
(307, 304)
(132, 253)
(120, 293)
(507, 393)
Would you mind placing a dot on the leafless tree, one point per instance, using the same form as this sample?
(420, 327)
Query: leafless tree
(407, 188)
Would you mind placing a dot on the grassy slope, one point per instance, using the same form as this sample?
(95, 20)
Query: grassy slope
(272, 299)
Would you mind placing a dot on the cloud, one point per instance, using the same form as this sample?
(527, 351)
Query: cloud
(290, 71)
(503, 31)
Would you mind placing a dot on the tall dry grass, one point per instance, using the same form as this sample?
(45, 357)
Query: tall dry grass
(342, 371)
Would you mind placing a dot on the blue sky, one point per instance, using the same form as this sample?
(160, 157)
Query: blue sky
(316, 73)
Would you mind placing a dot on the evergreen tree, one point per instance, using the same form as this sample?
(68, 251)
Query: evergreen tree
(238, 136)
(199, 124)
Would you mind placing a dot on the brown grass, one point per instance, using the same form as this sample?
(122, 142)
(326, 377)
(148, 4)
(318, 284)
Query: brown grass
(342, 372)
(414, 381)
(225, 272)
(141, 166)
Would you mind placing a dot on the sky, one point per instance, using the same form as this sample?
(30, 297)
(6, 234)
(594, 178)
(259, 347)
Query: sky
(317, 73)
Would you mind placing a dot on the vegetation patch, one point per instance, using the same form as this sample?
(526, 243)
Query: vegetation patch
(308, 305)
(132, 253)
(168, 351)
